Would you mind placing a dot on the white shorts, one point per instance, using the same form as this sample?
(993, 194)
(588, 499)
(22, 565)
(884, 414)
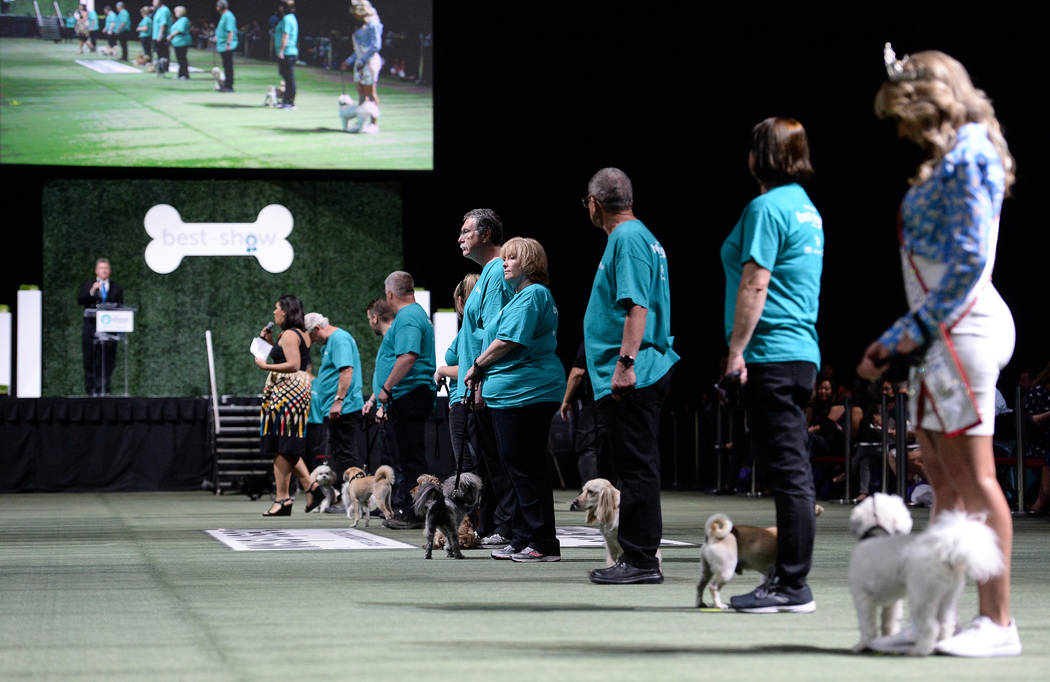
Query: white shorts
(984, 341)
(369, 73)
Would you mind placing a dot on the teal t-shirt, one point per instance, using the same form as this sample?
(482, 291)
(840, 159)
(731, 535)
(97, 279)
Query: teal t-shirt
(183, 38)
(290, 25)
(161, 22)
(782, 232)
(145, 27)
(111, 21)
(633, 271)
(93, 18)
(123, 21)
(227, 23)
(339, 351)
(529, 373)
(452, 360)
(483, 304)
(411, 332)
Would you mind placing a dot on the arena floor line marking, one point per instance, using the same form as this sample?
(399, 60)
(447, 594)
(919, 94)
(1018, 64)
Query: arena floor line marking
(279, 539)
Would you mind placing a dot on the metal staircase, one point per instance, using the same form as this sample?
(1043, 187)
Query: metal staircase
(238, 465)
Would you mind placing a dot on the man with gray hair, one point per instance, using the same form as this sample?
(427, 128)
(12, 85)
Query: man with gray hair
(628, 343)
(336, 399)
(404, 388)
(99, 355)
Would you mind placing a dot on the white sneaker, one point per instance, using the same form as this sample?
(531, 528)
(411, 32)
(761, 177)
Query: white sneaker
(899, 643)
(983, 639)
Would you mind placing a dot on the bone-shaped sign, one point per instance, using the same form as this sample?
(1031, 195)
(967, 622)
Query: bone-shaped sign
(266, 238)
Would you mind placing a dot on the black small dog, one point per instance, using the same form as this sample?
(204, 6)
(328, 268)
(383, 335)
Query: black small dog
(443, 508)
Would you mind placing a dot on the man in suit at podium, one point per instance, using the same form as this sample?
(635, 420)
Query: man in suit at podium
(92, 293)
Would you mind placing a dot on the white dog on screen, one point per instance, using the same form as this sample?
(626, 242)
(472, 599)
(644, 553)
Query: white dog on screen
(364, 117)
(929, 569)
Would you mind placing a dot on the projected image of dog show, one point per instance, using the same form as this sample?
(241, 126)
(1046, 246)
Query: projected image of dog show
(314, 84)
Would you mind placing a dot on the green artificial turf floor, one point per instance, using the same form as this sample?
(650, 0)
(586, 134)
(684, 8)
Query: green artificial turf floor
(54, 111)
(127, 586)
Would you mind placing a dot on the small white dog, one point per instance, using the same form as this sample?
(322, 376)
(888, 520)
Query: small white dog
(274, 94)
(219, 76)
(365, 116)
(929, 568)
(730, 549)
(325, 477)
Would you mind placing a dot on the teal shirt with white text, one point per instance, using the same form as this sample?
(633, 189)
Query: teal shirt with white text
(410, 332)
(633, 271)
(531, 372)
(289, 26)
(782, 232)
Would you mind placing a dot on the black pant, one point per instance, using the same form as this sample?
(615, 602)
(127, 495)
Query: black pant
(317, 447)
(162, 49)
(227, 67)
(405, 444)
(123, 37)
(589, 441)
(633, 429)
(462, 444)
(184, 64)
(344, 448)
(521, 435)
(147, 46)
(776, 396)
(286, 67)
(97, 357)
(498, 501)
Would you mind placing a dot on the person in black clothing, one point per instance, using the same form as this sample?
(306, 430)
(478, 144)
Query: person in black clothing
(99, 357)
(286, 405)
(588, 429)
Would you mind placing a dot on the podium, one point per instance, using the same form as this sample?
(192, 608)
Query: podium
(113, 323)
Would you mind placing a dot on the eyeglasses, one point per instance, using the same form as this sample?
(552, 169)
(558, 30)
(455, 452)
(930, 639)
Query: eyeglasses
(586, 201)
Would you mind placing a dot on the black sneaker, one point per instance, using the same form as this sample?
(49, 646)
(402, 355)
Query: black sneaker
(622, 573)
(772, 597)
(403, 522)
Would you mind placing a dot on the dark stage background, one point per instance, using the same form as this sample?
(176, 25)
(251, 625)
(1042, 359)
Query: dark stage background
(531, 101)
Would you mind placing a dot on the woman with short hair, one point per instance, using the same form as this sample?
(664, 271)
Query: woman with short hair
(181, 41)
(145, 30)
(286, 43)
(522, 382)
(773, 260)
(286, 405)
(949, 224)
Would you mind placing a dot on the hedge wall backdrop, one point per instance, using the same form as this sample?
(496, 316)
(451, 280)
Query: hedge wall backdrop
(347, 238)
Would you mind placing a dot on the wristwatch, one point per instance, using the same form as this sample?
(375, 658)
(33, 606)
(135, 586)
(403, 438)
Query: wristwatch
(627, 361)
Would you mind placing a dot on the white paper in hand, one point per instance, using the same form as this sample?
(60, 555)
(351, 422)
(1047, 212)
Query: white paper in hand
(260, 348)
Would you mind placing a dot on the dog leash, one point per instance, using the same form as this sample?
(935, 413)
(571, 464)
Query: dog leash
(468, 400)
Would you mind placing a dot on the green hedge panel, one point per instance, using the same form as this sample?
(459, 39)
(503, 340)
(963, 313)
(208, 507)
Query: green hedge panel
(347, 238)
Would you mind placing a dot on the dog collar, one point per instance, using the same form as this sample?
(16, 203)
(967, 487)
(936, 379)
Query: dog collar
(358, 475)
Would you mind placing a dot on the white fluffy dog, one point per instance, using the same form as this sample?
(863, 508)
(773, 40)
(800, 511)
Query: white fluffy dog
(219, 76)
(365, 116)
(929, 568)
(325, 478)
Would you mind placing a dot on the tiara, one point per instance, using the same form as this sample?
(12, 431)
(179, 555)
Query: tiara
(895, 67)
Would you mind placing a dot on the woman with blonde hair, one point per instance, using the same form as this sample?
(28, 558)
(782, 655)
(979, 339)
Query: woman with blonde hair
(522, 382)
(457, 411)
(949, 224)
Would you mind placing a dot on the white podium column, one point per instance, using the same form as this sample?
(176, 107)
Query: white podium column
(5, 351)
(30, 343)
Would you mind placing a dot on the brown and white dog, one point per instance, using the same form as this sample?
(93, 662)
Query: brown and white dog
(358, 488)
(730, 549)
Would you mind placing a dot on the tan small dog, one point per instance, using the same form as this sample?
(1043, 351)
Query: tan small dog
(731, 549)
(601, 500)
(358, 488)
